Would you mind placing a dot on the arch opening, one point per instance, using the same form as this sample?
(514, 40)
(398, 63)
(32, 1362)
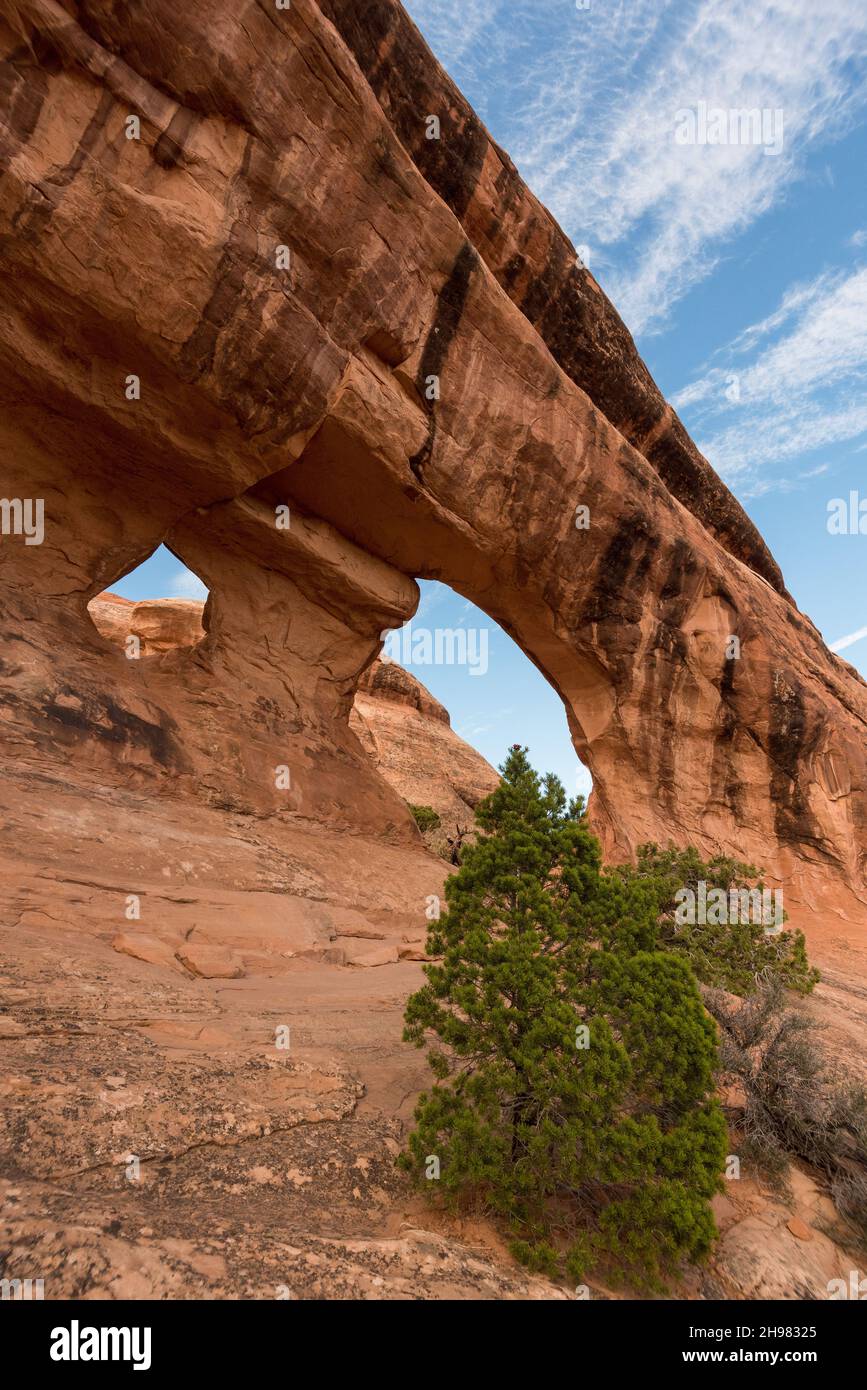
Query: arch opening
(159, 606)
(496, 695)
(477, 693)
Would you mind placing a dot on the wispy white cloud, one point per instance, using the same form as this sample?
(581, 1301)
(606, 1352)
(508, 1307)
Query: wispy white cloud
(463, 34)
(586, 103)
(483, 724)
(185, 584)
(472, 729)
(769, 401)
(796, 300)
(623, 176)
(853, 637)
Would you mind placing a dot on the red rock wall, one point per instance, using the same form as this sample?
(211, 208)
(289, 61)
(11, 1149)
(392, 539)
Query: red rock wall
(401, 727)
(409, 736)
(261, 386)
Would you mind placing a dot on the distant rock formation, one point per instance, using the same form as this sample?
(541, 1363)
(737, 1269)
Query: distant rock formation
(156, 625)
(409, 736)
(402, 728)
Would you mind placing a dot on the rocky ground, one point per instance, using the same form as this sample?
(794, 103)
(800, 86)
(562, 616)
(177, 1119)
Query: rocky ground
(263, 1170)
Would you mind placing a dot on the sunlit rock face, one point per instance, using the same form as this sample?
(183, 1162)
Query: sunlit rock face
(252, 311)
(409, 736)
(402, 728)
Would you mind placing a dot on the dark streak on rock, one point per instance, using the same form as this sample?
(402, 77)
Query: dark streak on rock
(616, 601)
(385, 44)
(23, 89)
(722, 764)
(790, 741)
(450, 307)
(681, 567)
(99, 717)
(168, 151)
(667, 652)
(197, 354)
(36, 212)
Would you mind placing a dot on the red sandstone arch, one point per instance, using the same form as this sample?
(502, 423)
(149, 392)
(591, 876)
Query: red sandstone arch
(156, 257)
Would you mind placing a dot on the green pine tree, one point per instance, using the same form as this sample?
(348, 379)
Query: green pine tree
(739, 956)
(573, 1059)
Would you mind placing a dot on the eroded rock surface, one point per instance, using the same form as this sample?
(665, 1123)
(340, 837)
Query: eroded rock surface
(402, 728)
(156, 1142)
(410, 738)
(242, 311)
(221, 334)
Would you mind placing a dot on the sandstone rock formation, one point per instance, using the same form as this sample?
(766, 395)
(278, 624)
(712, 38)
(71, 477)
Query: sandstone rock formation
(233, 268)
(409, 736)
(325, 264)
(156, 1143)
(156, 625)
(402, 728)
(535, 263)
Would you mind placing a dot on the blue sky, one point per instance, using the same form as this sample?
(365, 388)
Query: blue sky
(740, 268)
